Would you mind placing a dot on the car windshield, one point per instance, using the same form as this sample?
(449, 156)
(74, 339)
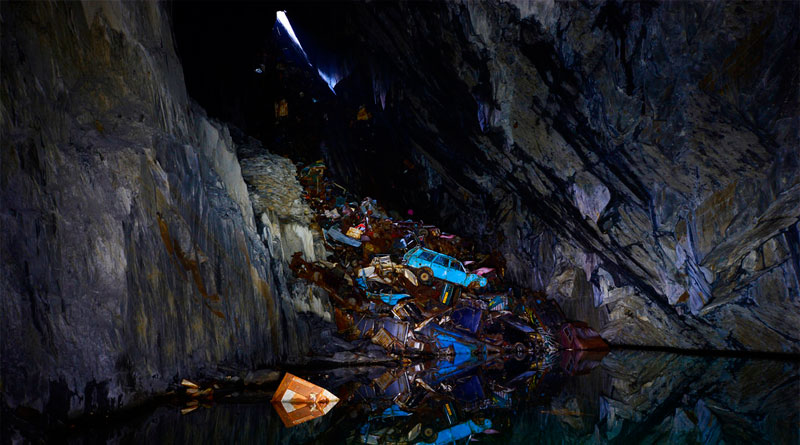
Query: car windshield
(442, 260)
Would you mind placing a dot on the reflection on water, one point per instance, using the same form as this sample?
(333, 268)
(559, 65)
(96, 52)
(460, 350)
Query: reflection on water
(624, 397)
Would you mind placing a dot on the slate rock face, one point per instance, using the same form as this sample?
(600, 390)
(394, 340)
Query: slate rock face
(130, 256)
(638, 161)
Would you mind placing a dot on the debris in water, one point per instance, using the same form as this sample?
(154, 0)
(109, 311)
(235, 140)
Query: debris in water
(188, 410)
(297, 400)
(189, 384)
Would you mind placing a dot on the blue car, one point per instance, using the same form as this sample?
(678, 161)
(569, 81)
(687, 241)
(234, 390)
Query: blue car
(431, 264)
(455, 433)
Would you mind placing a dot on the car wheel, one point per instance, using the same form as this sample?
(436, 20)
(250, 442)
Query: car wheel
(519, 351)
(425, 276)
(474, 285)
(429, 434)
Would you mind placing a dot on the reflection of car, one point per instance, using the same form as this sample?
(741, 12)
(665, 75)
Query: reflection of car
(455, 432)
(581, 362)
(433, 264)
(518, 335)
(577, 335)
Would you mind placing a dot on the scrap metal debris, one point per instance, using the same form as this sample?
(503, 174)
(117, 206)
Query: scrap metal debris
(193, 394)
(189, 384)
(417, 291)
(432, 302)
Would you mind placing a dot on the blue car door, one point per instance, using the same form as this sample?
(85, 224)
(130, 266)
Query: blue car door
(456, 273)
(439, 266)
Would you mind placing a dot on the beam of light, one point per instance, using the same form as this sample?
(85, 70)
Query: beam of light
(284, 21)
(330, 80)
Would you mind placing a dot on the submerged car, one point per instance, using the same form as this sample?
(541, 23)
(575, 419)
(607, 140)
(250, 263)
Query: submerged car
(432, 264)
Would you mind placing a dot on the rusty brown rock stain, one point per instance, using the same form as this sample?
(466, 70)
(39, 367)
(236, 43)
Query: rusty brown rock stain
(720, 200)
(165, 235)
(243, 248)
(191, 266)
(717, 212)
(680, 230)
(214, 311)
(188, 264)
(266, 292)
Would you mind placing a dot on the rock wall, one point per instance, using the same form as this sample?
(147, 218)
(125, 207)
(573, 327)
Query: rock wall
(130, 253)
(664, 137)
(637, 161)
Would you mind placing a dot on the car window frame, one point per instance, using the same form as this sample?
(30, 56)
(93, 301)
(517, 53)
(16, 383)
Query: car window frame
(459, 267)
(446, 265)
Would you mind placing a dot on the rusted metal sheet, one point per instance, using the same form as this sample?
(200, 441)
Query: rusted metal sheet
(384, 339)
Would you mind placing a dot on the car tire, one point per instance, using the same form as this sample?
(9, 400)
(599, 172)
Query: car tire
(520, 351)
(425, 276)
(429, 434)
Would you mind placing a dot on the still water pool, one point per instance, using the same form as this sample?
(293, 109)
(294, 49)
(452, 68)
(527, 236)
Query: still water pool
(625, 396)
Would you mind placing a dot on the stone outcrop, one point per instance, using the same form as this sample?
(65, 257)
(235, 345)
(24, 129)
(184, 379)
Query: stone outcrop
(278, 202)
(130, 252)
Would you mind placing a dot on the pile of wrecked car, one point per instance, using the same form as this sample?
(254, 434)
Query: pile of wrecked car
(417, 291)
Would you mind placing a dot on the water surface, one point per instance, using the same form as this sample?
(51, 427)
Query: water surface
(624, 397)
